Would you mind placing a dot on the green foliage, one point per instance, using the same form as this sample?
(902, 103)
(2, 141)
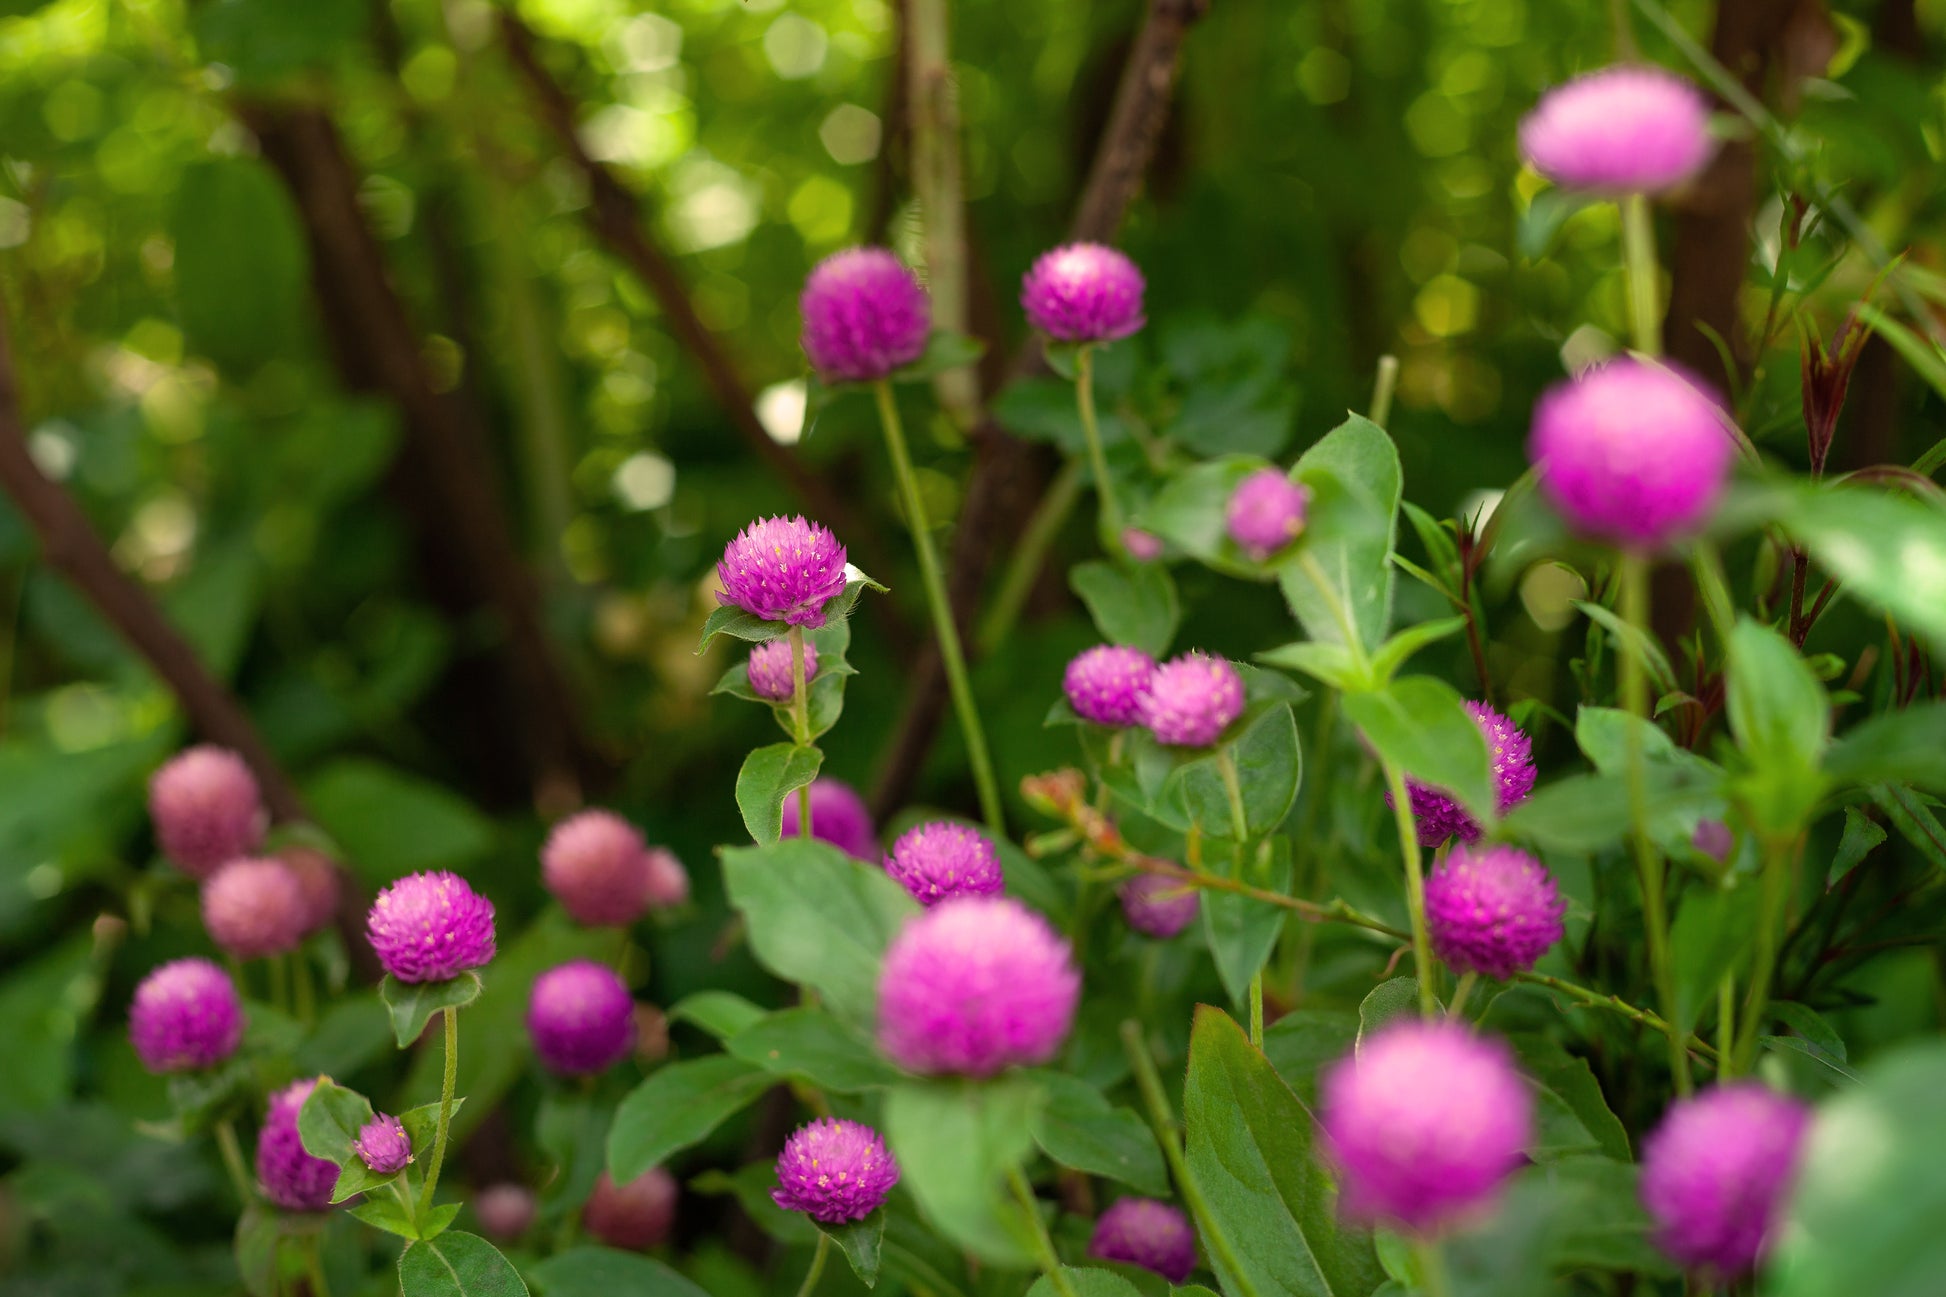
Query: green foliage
(602, 1272)
(680, 1105)
(412, 1004)
(458, 1264)
(769, 775)
(956, 1146)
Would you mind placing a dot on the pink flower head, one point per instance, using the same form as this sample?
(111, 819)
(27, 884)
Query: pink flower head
(254, 908)
(834, 1171)
(383, 1145)
(317, 878)
(668, 880)
(581, 1017)
(1439, 817)
(1083, 292)
(1146, 1233)
(1714, 839)
(1716, 1172)
(633, 1216)
(1192, 699)
(864, 316)
(1424, 1122)
(430, 927)
(206, 809)
(838, 816)
(1493, 910)
(596, 865)
(782, 569)
(942, 859)
(770, 669)
(505, 1210)
(1156, 906)
(186, 1015)
(1266, 512)
(1105, 684)
(292, 1178)
(1622, 130)
(1633, 453)
(1142, 546)
(975, 985)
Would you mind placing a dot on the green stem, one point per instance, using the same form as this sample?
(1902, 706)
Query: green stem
(1024, 564)
(1615, 1004)
(1383, 385)
(816, 1272)
(280, 982)
(951, 655)
(1226, 766)
(1084, 398)
(451, 1015)
(1432, 1268)
(1415, 890)
(1638, 260)
(800, 724)
(314, 1267)
(1634, 574)
(304, 995)
(226, 1143)
(1460, 993)
(1163, 1119)
(1726, 1027)
(1774, 897)
(1050, 1260)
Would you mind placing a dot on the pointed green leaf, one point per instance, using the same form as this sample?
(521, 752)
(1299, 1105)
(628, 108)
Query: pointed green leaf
(1079, 1128)
(679, 1105)
(1241, 931)
(330, 1119)
(1135, 606)
(956, 1144)
(412, 1004)
(1422, 726)
(721, 1013)
(458, 1264)
(769, 775)
(860, 1241)
(810, 1043)
(1350, 532)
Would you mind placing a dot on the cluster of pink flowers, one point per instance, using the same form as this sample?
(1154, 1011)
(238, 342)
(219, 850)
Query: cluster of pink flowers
(605, 874)
(1186, 702)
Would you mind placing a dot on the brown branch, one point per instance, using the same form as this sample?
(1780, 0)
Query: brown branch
(72, 548)
(1008, 474)
(617, 217)
(377, 349)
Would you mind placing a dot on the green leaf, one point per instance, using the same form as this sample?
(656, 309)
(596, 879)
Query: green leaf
(1865, 1215)
(1137, 606)
(1862, 836)
(412, 1004)
(1392, 654)
(1883, 548)
(751, 1186)
(956, 1144)
(1303, 1042)
(679, 1105)
(810, 1043)
(458, 1264)
(571, 1127)
(1914, 820)
(1242, 932)
(605, 1272)
(1079, 1128)
(1633, 641)
(1422, 726)
(1390, 1001)
(728, 619)
(769, 775)
(721, 1013)
(1570, 1083)
(1350, 532)
(1085, 1281)
(1712, 936)
(818, 917)
(239, 253)
(1330, 663)
(1190, 511)
(1602, 735)
(1269, 768)
(258, 1232)
(1782, 721)
(385, 1212)
(1906, 746)
(330, 1120)
(388, 824)
(1250, 1148)
(860, 1241)
(1589, 812)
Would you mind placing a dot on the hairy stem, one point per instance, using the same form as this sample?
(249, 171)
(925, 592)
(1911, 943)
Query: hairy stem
(1415, 890)
(1383, 386)
(226, 1143)
(951, 655)
(1615, 1004)
(800, 724)
(451, 1016)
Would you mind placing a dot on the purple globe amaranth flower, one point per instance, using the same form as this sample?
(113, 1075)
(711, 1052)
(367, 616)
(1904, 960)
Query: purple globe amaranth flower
(668, 880)
(975, 985)
(838, 816)
(633, 1216)
(1439, 817)
(596, 865)
(864, 316)
(383, 1145)
(1493, 910)
(254, 908)
(1146, 1233)
(1716, 1172)
(1266, 512)
(771, 666)
(782, 569)
(1633, 453)
(1622, 130)
(1142, 546)
(1192, 699)
(318, 880)
(505, 1210)
(430, 927)
(834, 1171)
(1156, 906)
(292, 1178)
(1105, 684)
(1424, 1122)
(206, 809)
(186, 1015)
(582, 1018)
(941, 859)
(1083, 292)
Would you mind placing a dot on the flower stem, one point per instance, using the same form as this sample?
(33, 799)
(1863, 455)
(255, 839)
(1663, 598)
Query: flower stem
(314, 1266)
(1638, 260)
(304, 998)
(451, 1016)
(1030, 556)
(951, 655)
(1383, 385)
(1465, 988)
(1163, 1119)
(800, 724)
(1634, 574)
(816, 1272)
(1226, 766)
(1596, 1000)
(1778, 853)
(1084, 399)
(1415, 890)
(1050, 1259)
(1432, 1268)
(1726, 1027)
(226, 1143)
